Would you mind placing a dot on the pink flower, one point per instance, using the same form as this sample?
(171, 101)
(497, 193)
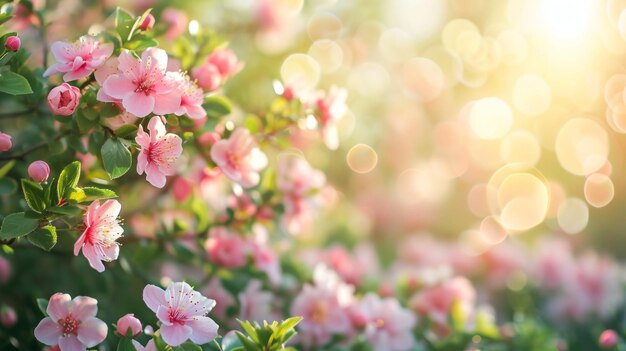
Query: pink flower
(64, 99)
(13, 43)
(159, 152)
(296, 176)
(147, 23)
(108, 68)
(389, 326)
(255, 304)
(72, 324)
(191, 97)
(102, 229)
(239, 158)
(225, 61)
(143, 85)
(5, 142)
(79, 59)
(221, 296)
(126, 322)
(8, 317)
(207, 76)
(608, 339)
(436, 301)
(332, 108)
(177, 22)
(323, 314)
(225, 248)
(150, 346)
(39, 171)
(182, 189)
(182, 312)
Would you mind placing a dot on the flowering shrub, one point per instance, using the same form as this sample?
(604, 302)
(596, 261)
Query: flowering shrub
(201, 182)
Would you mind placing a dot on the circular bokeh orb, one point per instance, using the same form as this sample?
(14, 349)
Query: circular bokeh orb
(582, 146)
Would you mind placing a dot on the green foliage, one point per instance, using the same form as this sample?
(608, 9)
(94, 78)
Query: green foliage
(116, 158)
(14, 84)
(217, 106)
(267, 337)
(44, 238)
(68, 179)
(16, 225)
(34, 195)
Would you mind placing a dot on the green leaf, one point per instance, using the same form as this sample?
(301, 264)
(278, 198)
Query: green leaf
(6, 168)
(217, 106)
(16, 225)
(6, 58)
(65, 210)
(7, 186)
(109, 110)
(34, 195)
(125, 130)
(188, 346)
(116, 158)
(247, 343)
(139, 21)
(93, 193)
(44, 238)
(126, 344)
(249, 328)
(141, 42)
(68, 179)
(43, 306)
(14, 84)
(76, 195)
(124, 22)
(5, 17)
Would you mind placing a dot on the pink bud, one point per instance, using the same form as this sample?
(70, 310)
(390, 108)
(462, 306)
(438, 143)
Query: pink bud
(39, 171)
(148, 22)
(5, 142)
(608, 339)
(182, 189)
(8, 318)
(13, 43)
(225, 61)
(63, 100)
(5, 270)
(129, 321)
(209, 138)
(207, 76)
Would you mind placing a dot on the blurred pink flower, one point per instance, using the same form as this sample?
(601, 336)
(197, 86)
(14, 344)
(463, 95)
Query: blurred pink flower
(78, 59)
(389, 326)
(225, 248)
(255, 304)
(182, 189)
(159, 152)
(102, 229)
(608, 339)
(554, 263)
(266, 260)
(64, 99)
(207, 76)
(128, 322)
(222, 297)
(240, 158)
(296, 176)
(225, 61)
(5, 270)
(191, 96)
(436, 301)
(143, 85)
(176, 21)
(8, 317)
(72, 324)
(182, 312)
(332, 108)
(5, 142)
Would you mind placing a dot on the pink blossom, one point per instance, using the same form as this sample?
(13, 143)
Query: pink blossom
(239, 158)
(128, 322)
(225, 248)
(255, 304)
(222, 297)
(124, 118)
(207, 76)
(5, 142)
(225, 61)
(182, 312)
(296, 176)
(266, 260)
(159, 152)
(39, 171)
(102, 229)
(143, 85)
(8, 317)
(608, 339)
(436, 302)
(332, 108)
(182, 189)
(554, 263)
(71, 324)
(79, 59)
(191, 97)
(176, 20)
(389, 326)
(108, 68)
(147, 23)
(64, 99)
(13, 43)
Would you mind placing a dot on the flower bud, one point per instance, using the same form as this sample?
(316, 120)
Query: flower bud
(128, 321)
(39, 171)
(63, 100)
(148, 22)
(13, 43)
(5, 142)
(8, 318)
(608, 339)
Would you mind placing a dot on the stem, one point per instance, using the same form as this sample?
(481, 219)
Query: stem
(23, 154)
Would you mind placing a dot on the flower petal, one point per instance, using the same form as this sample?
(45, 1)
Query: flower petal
(94, 261)
(118, 86)
(153, 296)
(203, 330)
(84, 307)
(167, 103)
(48, 331)
(71, 343)
(175, 334)
(138, 104)
(58, 307)
(92, 331)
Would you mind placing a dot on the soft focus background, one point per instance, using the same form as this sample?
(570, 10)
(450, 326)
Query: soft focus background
(483, 138)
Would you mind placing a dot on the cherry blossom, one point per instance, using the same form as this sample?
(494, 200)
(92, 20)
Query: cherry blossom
(159, 152)
(239, 158)
(78, 60)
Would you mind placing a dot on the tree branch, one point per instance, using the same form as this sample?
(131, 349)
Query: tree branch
(22, 155)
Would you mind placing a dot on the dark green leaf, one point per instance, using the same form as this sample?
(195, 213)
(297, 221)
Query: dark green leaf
(34, 195)
(93, 193)
(125, 130)
(141, 42)
(43, 306)
(217, 106)
(16, 225)
(248, 344)
(44, 238)
(126, 344)
(68, 179)
(116, 158)
(14, 84)
(109, 110)
(65, 210)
